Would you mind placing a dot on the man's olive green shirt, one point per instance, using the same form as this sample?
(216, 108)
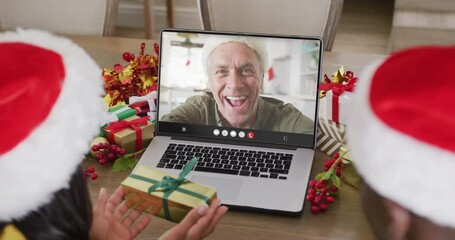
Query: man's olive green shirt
(272, 115)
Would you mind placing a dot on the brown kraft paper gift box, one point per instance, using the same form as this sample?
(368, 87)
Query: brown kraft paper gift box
(124, 135)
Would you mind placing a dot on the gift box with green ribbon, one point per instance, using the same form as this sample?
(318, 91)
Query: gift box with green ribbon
(132, 134)
(166, 196)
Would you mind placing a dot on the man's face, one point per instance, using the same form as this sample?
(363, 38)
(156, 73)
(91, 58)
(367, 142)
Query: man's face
(235, 80)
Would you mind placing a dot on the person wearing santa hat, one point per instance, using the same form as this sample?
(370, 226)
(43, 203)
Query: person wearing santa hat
(51, 108)
(401, 135)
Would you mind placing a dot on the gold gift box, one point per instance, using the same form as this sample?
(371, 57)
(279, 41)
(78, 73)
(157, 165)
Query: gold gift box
(126, 138)
(187, 196)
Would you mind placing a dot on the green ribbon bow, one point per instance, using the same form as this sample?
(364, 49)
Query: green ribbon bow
(169, 184)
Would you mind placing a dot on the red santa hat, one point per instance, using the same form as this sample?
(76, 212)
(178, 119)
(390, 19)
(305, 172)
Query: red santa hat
(402, 130)
(50, 102)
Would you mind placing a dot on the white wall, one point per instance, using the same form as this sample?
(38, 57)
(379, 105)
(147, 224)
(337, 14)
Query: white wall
(186, 15)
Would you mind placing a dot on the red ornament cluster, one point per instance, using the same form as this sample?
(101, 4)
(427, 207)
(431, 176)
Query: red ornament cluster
(106, 152)
(90, 173)
(325, 185)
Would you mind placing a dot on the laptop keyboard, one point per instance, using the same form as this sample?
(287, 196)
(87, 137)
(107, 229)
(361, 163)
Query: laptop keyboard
(233, 161)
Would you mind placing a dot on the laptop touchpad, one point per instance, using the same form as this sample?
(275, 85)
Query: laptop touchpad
(227, 189)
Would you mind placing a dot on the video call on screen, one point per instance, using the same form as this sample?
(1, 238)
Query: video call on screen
(242, 87)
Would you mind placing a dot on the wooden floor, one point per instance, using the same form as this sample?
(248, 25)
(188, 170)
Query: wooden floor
(364, 27)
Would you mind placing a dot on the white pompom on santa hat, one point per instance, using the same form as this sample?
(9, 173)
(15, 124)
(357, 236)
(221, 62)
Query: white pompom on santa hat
(402, 130)
(50, 91)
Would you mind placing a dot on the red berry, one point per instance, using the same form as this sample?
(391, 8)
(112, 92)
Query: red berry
(94, 176)
(310, 198)
(314, 209)
(95, 148)
(313, 183)
(312, 191)
(113, 147)
(333, 189)
(106, 145)
(128, 56)
(90, 169)
(338, 172)
(99, 155)
(336, 155)
(317, 199)
(122, 151)
(110, 156)
(324, 190)
(320, 185)
(323, 207)
(102, 161)
(324, 182)
(330, 199)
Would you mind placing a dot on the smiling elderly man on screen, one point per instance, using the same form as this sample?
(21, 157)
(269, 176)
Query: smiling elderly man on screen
(235, 68)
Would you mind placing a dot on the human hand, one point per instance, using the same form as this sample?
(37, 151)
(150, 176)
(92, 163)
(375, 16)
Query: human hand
(112, 219)
(198, 223)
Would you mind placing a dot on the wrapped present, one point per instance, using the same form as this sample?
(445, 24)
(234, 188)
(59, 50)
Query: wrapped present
(331, 136)
(336, 106)
(144, 105)
(337, 95)
(350, 175)
(165, 196)
(132, 134)
(117, 113)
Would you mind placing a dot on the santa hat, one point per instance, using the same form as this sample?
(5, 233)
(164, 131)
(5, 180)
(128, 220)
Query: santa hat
(50, 91)
(215, 41)
(402, 130)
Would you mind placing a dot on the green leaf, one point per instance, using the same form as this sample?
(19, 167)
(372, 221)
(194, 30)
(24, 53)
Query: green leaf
(319, 176)
(123, 163)
(133, 163)
(336, 181)
(345, 161)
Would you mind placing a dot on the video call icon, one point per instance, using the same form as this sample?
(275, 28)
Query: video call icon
(241, 134)
(216, 132)
(250, 135)
(233, 133)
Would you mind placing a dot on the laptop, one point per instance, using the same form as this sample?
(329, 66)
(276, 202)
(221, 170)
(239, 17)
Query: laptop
(246, 105)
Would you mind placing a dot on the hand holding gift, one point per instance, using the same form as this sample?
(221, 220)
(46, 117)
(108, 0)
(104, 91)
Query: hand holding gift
(166, 196)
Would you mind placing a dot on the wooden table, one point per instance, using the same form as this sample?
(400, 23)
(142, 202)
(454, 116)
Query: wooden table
(343, 220)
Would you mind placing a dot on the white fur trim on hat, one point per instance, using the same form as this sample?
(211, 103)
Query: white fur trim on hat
(43, 163)
(256, 45)
(413, 173)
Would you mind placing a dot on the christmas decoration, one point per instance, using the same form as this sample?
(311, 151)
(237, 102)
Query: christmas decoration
(137, 78)
(337, 92)
(163, 195)
(105, 152)
(326, 184)
(94, 142)
(341, 80)
(90, 173)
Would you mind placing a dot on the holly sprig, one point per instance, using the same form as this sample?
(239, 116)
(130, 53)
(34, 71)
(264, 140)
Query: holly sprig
(326, 184)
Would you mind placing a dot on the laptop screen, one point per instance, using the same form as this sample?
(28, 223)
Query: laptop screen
(248, 88)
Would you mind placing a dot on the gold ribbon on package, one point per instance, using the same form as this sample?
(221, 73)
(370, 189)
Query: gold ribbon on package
(166, 187)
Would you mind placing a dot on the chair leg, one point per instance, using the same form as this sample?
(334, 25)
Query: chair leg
(170, 13)
(149, 19)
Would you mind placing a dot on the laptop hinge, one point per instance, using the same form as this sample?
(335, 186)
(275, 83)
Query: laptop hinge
(225, 141)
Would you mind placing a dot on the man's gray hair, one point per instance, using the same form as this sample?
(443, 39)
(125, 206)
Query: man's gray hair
(257, 46)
